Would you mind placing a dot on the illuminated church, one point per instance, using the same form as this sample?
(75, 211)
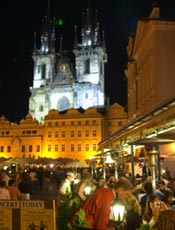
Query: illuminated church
(57, 83)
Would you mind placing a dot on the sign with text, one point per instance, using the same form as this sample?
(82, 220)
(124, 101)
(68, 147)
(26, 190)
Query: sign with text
(27, 215)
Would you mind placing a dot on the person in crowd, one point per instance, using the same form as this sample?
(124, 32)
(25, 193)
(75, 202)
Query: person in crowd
(15, 194)
(97, 206)
(34, 180)
(134, 213)
(161, 188)
(148, 188)
(153, 206)
(165, 220)
(65, 189)
(25, 187)
(4, 193)
(168, 198)
(5, 177)
(111, 182)
(79, 189)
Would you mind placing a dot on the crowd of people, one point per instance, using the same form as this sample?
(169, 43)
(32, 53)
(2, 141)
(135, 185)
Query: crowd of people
(143, 204)
(77, 206)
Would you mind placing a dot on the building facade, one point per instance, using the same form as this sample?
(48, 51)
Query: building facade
(71, 134)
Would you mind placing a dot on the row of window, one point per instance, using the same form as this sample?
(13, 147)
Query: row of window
(51, 148)
(73, 134)
(72, 123)
(73, 148)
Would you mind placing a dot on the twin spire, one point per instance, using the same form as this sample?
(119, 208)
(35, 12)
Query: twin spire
(90, 34)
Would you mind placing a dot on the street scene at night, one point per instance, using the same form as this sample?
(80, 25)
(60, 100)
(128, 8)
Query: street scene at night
(87, 115)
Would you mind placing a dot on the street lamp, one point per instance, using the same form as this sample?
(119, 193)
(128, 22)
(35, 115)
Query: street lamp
(118, 212)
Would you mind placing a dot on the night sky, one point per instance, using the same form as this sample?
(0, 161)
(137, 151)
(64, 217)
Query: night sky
(21, 18)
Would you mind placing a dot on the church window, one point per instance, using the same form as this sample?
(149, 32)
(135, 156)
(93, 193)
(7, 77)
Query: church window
(41, 108)
(87, 147)
(101, 69)
(30, 148)
(56, 148)
(43, 74)
(79, 147)
(63, 148)
(87, 66)
(94, 133)
(72, 148)
(8, 149)
(86, 95)
(38, 148)
(49, 134)
(49, 148)
(23, 149)
(1, 149)
(39, 69)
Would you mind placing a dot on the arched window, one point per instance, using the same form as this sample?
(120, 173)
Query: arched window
(87, 66)
(43, 73)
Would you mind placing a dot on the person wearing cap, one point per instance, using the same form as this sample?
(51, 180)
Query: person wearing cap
(65, 190)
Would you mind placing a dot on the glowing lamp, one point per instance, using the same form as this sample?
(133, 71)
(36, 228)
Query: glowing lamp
(87, 190)
(118, 212)
(109, 159)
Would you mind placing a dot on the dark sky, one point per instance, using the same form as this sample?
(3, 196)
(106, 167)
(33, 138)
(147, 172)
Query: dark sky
(21, 18)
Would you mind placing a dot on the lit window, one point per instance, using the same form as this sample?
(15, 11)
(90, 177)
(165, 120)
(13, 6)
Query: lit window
(56, 134)
(38, 148)
(94, 133)
(86, 133)
(49, 134)
(94, 147)
(30, 148)
(94, 122)
(72, 134)
(56, 148)
(79, 133)
(72, 148)
(87, 122)
(120, 123)
(1, 149)
(23, 148)
(79, 147)
(49, 148)
(63, 134)
(63, 147)
(87, 147)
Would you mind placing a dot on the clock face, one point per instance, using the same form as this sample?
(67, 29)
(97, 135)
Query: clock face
(64, 68)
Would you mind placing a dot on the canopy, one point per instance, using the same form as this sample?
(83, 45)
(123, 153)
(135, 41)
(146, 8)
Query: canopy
(76, 164)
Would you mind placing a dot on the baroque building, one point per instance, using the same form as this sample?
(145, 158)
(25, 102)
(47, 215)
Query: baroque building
(57, 84)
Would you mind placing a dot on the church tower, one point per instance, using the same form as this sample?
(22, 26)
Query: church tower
(90, 57)
(57, 84)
